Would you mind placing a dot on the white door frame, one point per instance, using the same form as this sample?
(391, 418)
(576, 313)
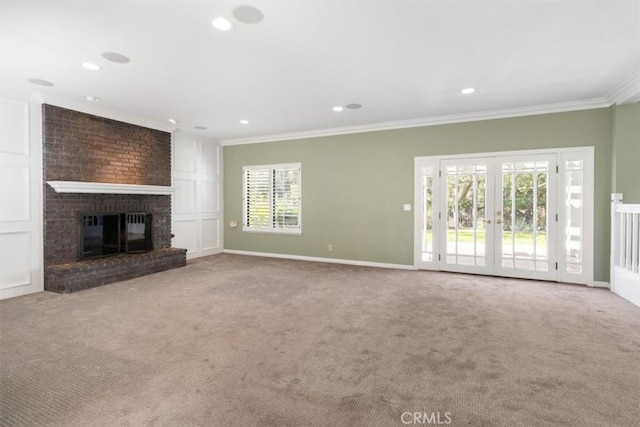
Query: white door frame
(563, 155)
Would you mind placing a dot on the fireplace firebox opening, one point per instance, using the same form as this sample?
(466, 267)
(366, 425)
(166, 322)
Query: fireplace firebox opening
(106, 234)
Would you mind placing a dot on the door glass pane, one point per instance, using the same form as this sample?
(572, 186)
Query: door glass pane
(508, 237)
(524, 215)
(574, 215)
(479, 229)
(466, 198)
(452, 216)
(541, 224)
(427, 209)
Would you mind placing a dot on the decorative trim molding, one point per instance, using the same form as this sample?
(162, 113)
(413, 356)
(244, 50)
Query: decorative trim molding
(627, 93)
(318, 259)
(598, 284)
(109, 188)
(561, 107)
(206, 252)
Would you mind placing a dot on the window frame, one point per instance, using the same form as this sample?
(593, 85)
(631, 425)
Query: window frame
(271, 229)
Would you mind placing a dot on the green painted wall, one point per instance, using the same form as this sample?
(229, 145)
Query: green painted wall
(625, 141)
(354, 185)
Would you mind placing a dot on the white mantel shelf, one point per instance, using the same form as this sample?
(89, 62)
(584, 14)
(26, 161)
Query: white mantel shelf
(109, 188)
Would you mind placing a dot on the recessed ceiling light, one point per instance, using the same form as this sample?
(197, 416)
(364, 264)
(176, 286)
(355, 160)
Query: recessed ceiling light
(467, 91)
(200, 127)
(116, 57)
(337, 108)
(173, 121)
(90, 66)
(40, 82)
(248, 14)
(354, 106)
(244, 122)
(221, 23)
(92, 98)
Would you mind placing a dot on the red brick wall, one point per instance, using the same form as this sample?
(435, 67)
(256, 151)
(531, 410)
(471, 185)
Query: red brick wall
(82, 147)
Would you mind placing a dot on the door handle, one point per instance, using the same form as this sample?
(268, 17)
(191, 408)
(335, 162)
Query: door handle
(498, 221)
(488, 221)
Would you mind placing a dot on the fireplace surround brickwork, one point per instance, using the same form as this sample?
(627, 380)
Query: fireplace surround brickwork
(62, 230)
(83, 147)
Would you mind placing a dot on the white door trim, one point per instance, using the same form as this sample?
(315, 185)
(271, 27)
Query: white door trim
(510, 153)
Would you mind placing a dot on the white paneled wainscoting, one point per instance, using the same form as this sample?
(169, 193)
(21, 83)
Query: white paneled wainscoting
(196, 172)
(20, 197)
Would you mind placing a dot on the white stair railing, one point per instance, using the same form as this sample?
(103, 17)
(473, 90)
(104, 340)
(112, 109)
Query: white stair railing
(625, 249)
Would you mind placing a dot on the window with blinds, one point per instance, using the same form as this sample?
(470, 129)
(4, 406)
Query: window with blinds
(272, 198)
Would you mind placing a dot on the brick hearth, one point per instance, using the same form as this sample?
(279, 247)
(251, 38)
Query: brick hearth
(76, 276)
(82, 147)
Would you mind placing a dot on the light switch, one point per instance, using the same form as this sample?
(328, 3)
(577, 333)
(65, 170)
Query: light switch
(233, 224)
(407, 207)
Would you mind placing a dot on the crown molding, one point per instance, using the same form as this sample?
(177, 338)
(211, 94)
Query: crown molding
(628, 92)
(585, 104)
(97, 109)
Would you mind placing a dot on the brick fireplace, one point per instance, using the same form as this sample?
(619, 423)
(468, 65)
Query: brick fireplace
(84, 148)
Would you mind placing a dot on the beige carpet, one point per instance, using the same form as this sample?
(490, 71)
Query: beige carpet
(242, 341)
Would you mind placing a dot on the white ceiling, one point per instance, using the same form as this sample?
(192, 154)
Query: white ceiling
(404, 61)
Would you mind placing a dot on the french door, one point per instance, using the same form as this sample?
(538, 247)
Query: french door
(511, 215)
(467, 203)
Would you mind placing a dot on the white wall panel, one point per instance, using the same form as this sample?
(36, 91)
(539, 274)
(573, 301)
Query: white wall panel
(210, 196)
(186, 235)
(196, 201)
(210, 159)
(185, 197)
(14, 126)
(185, 154)
(15, 194)
(210, 235)
(20, 197)
(15, 249)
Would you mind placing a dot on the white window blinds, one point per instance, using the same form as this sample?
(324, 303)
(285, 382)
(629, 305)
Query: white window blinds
(272, 198)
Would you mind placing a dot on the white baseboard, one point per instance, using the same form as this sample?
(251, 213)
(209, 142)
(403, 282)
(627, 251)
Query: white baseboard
(207, 252)
(626, 284)
(597, 284)
(318, 259)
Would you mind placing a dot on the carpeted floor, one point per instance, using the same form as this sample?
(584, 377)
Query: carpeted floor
(241, 341)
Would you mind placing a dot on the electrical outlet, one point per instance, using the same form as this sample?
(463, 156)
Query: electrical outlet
(233, 224)
(330, 248)
(407, 207)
